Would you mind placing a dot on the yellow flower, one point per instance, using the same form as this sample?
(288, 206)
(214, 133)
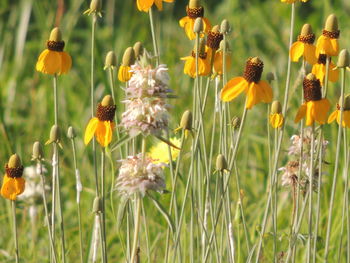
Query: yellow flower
(327, 43)
(145, 5)
(256, 90)
(304, 46)
(293, 1)
(204, 68)
(319, 70)
(314, 108)
(335, 115)
(276, 116)
(13, 184)
(54, 60)
(194, 10)
(129, 58)
(159, 153)
(102, 126)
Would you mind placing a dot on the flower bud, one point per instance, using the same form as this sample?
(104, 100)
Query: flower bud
(111, 60)
(71, 133)
(55, 35)
(276, 107)
(225, 27)
(97, 205)
(95, 6)
(107, 101)
(138, 49)
(14, 161)
(55, 135)
(221, 163)
(194, 3)
(198, 25)
(128, 57)
(346, 102)
(306, 30)
(331, 23)
(270, 77)
(236, 122)
(186, 120)
(37, 151)
(343, 59)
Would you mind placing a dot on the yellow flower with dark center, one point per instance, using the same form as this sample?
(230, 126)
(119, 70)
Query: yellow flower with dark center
(194, 10)
(102, 125)
(327, 43)
(276, 116)
(124, 73)
(335, 115)
(159, 153)
(319, 69)
(256, 90)
(145, 5)
(315, 108)
(304, 46)
(293, 1)
(13, 184)
(203, 61)
(54, 60)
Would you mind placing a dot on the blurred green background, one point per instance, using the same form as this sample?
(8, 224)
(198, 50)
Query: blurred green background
(259, 28)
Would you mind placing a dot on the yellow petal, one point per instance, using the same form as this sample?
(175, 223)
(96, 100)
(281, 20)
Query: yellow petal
(346, 118)
(310, 54)
(90, 130)
(266, 91)
(66, 62)
(296, 51)
(206, 25)
(144, 5)
(319, 71)
(12, 187)
(333, 116)
(333, 73)
(327, 46)
(320, 110)
(159, 4)
(184, 20)
(301, 113)
(108, 136)
(252, 96)
(124, 73)
(49, 63)
(101, 133)
(233, 88)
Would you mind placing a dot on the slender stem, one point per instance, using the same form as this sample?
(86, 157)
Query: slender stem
(311, 186)
(55, 98)
(335, 172)
(154, 39)
(53, 250)
(103, 212)
(13, 203)
(137, 229)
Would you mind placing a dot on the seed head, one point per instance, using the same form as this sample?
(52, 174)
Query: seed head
(55, 136)
(331, 23)
(346, 102)
(111, 60)
(270, 77)
(95, 6)
(128, 57)
(14, 161)
(186, 120)
(138, 49)
(225, 27)
(276, 107)
(107, 101)
(194, 3)
(236, 122)
(306, 30)
(55, 35)
(37, 151)
(343, 59)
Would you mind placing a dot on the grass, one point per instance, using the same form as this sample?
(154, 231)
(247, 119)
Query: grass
(26, 112)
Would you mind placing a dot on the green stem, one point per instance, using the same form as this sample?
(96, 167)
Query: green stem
(154, 39)
(15, 235)
(335, 172)
(137, 229)
(311, 186)
(103, 212)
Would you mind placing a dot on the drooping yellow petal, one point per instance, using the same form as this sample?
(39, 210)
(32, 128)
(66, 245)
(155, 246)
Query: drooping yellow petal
(320, 110)
(252, 95)
(159, 4)
(266, 91)
(319, 71)
(90, 130)
(190, 66)
(218, 62)
(310, 54)
(309, 113)
(333, 116)
(301, 113)
(346, 118)
(101, 133)
(333, 73)
(233, 88)
(108, 135)
(12, 187)
(144, 5)
(276, 120)
(49, 63)
(183, 21)
(296, 51)
(66, 62)
(204, 66)
(124, 73)
(206, 25)
(327, 46)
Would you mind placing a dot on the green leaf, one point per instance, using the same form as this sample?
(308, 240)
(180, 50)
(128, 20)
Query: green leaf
(121, 211)
(163, 212)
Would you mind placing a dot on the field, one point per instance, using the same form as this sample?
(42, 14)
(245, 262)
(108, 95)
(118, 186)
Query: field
(217, 224)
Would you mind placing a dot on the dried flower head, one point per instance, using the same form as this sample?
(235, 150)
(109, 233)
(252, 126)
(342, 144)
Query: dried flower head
(139, 175)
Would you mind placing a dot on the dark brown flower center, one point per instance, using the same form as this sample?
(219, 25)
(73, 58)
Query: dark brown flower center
(331, 34)
(307, 39)
(214, 39)
(105, 113)
(322, 59)
(202, 55)
(195, 12)
(55, 45)
(312, 90)
(253, 71)
(14, 172)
